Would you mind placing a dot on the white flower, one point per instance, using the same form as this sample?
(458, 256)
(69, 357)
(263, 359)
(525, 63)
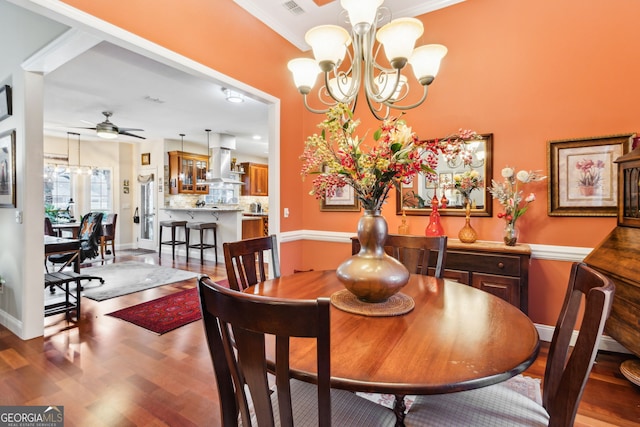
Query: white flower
(507, 172)
(523, 176)
(530, 198)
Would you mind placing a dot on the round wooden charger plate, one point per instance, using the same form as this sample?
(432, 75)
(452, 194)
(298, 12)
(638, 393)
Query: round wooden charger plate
(631, 370)
(396, 305)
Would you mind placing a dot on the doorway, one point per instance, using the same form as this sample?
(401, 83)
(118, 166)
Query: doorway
(147, 202)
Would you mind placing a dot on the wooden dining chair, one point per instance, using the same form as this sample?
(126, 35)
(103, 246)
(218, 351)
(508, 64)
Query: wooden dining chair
(108, 234)
(232, 317)
(565, 376)
(245, 261)
(414, 252)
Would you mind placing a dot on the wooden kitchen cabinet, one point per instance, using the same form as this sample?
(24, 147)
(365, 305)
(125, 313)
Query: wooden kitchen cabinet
(491, 266)
(194, 167)
(252, 226)
(256, 179)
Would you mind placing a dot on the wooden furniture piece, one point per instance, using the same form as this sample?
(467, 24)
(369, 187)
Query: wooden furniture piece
(245, 261)
(456, 338)
(109, 234)
(71, 303)
(252, 227)
(193, 170)
(173, 225)
(48, 227)
(256, 179)
(58, 245)
(202, 227)
(493, 267)
(618, 256)
(564, 379)
(236, 325)
(72, 227)
(414, 252)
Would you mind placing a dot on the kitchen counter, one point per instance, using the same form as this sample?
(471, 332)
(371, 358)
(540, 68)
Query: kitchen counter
(228, 220)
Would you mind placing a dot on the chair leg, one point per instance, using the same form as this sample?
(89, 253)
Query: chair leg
(160, 242)
(102, 244)
(215, 244)
(201, 246)
(187, 237)
(113, 247)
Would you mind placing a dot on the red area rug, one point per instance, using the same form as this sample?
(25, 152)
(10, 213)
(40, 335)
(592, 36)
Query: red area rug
(166, 313)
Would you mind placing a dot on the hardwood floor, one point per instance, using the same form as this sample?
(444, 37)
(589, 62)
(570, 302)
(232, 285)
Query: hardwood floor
(107, 372)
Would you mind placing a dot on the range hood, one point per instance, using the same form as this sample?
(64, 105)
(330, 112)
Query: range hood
(220, 147)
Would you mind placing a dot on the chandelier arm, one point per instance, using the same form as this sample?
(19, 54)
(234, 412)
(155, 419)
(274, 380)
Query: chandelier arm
(374, 111)
(409, 107)
(313, 110)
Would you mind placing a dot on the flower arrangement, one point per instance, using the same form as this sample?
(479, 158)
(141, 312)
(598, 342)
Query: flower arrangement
(510, 196)
(340, 158)
(466, 182)
(589, 172)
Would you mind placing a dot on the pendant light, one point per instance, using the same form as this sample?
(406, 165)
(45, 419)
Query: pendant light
(208, 131)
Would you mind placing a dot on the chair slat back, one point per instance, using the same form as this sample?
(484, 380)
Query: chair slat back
(566, 375)
(233, 317)
(245, 261)
(415, 252)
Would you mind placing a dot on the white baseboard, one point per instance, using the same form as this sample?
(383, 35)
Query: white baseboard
(606, 342)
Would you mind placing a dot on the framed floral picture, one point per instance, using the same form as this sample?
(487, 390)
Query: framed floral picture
(344, 199)
(583, 178)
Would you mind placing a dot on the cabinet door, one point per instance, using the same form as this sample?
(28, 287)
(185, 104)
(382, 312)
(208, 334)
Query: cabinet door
(259, 176)
(507, 288)
(187, 172)
(201, 167)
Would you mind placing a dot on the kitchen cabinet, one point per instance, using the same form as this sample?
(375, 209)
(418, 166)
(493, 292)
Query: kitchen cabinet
(493, 267)
(256, 179)
(188, 173)
(252, 226)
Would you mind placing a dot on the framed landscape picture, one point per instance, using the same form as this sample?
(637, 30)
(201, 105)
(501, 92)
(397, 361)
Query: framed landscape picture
(583, 178)
(8, 169)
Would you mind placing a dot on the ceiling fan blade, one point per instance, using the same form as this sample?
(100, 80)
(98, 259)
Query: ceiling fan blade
(79, 127)
(121, 130)
(88, 122)
(131, 134)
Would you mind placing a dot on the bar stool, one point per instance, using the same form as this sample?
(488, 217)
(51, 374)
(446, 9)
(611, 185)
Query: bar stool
(202, 226)
(173, 242)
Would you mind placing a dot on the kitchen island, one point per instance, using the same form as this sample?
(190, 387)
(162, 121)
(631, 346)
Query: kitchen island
(228, 219)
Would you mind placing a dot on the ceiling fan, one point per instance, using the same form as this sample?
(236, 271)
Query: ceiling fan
(108, 130)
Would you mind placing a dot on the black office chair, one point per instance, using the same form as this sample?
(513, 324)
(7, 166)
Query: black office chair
(89, 236)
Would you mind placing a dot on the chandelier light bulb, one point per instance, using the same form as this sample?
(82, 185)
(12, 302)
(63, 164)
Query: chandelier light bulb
(399, 38)
(329, 44)
(425, 62)
(362, 13)
(305, 73)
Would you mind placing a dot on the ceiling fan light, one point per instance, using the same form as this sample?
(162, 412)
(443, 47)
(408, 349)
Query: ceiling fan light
(399, 38)
(107, 133)
(426, 62)
(329, 44)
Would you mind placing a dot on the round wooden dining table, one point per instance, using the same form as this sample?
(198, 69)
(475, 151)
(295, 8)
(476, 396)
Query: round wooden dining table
(456, 338)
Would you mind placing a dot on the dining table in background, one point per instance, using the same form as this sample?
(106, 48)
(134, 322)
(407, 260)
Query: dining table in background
(61, 227)
(60, 245)
(456, 338)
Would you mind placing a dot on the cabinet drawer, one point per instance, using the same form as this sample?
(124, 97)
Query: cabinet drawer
(504, 265)
(503, 287)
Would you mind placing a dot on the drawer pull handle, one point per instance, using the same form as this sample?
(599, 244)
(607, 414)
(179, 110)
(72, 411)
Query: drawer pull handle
(500, 265)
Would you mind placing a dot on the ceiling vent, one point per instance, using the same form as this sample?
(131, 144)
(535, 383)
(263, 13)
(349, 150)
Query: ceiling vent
(293, 7)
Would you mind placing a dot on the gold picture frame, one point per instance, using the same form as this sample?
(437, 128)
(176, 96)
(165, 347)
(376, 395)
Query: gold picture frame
(145, 159)
(8, 169)
(344, 200)
(583, 178)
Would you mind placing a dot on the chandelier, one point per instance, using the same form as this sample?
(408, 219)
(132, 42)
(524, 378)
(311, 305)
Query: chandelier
(54, 169)
(384, 87)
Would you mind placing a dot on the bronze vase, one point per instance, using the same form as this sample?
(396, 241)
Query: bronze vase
(372, 275)
(467, 234)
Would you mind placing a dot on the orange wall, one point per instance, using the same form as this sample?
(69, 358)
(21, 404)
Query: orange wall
(527, 71)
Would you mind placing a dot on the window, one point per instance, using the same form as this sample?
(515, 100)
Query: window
(58, 187)
(101, 191)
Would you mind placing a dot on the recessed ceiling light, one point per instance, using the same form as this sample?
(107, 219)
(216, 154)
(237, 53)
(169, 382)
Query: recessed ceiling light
(257, 137)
